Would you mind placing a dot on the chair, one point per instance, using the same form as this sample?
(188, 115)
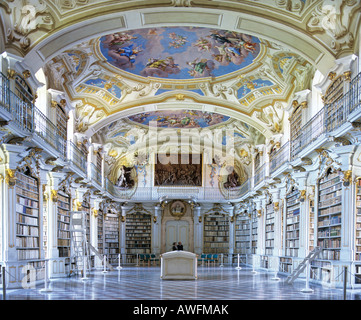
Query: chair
(147, 259)
(154, 258)
(202, 258)
(209, 258)
(215, 258)
(141, 258)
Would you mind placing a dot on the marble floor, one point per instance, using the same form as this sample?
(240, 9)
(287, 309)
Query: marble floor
(213, 283)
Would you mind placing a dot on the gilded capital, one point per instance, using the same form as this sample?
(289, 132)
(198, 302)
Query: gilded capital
(95, 212)
(347, 177)
(10, 177)
(54, 195)
(302, 195)
(276, 206)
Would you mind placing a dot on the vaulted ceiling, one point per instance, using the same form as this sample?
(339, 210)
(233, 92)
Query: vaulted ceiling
(131, 60)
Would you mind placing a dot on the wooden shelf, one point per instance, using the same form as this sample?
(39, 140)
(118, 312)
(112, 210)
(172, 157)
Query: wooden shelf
(27, 217)
(216, 234)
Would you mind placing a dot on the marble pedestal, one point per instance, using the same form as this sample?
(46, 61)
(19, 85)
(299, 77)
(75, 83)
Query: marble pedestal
(178, 265)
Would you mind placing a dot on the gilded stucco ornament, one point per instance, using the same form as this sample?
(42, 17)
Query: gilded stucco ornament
(303, 195)
(347, 177)
(94, 212)
(54, 195)
(276, 206)
(10, 178)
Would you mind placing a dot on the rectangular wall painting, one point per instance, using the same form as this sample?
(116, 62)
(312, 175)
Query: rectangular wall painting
(178, 170)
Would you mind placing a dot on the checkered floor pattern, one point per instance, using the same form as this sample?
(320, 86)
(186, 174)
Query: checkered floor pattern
(213, 283)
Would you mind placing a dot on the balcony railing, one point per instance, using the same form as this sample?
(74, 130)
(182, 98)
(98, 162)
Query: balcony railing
(309, 133)
(280, 157)
(354, 94)
(4, 92)
(77, 157)
(177, 192)
(47, 131)
(259, 175)
(29, 118)
(96, 174)
(331, 117)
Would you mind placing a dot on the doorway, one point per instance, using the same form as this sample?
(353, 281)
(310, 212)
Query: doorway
(175, 231)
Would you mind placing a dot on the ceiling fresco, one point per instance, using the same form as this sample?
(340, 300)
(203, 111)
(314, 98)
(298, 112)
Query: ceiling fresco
(179, 52)
(179, 118)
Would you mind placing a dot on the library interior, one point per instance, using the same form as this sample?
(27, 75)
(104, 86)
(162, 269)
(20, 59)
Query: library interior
(122, 173)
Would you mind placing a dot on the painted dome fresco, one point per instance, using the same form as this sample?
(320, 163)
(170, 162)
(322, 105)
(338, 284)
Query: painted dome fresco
(179, 52)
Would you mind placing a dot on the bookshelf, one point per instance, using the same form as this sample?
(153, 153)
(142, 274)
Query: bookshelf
(86, 208)
(242, 235)
(329, 215)
(111, 237)
(138, 233)
(311, 239)
(45, 229)
(358, 232)
(63, 224)
(358, 221)
(216, 233)
(292, 223)
(321, 270)
(295, 129)
(285, 264)
(100, 222)
(254, 231)
(269, 234)
(27, 216)
(61, 121)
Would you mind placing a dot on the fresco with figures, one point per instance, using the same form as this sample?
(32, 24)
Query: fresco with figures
(179, 52)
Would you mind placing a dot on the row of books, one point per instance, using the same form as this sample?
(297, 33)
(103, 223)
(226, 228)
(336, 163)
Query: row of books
(334, 232)
(331, 195)
(292, 243)
(293, 220)
(27, 242)
(27, 230)
(23, 178)
(215, 233)
(270, 235)
(63, 234)
(27, 193)
(216, 239)
(330, 189)
(27, 220)
(63, 242)
(329, 221)
(330, 210)
(329, 202)
(27, 202)
(293, 234)
(28, 254)
(330, 243)
(26, 210)
(63, 206)
(27, 186)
